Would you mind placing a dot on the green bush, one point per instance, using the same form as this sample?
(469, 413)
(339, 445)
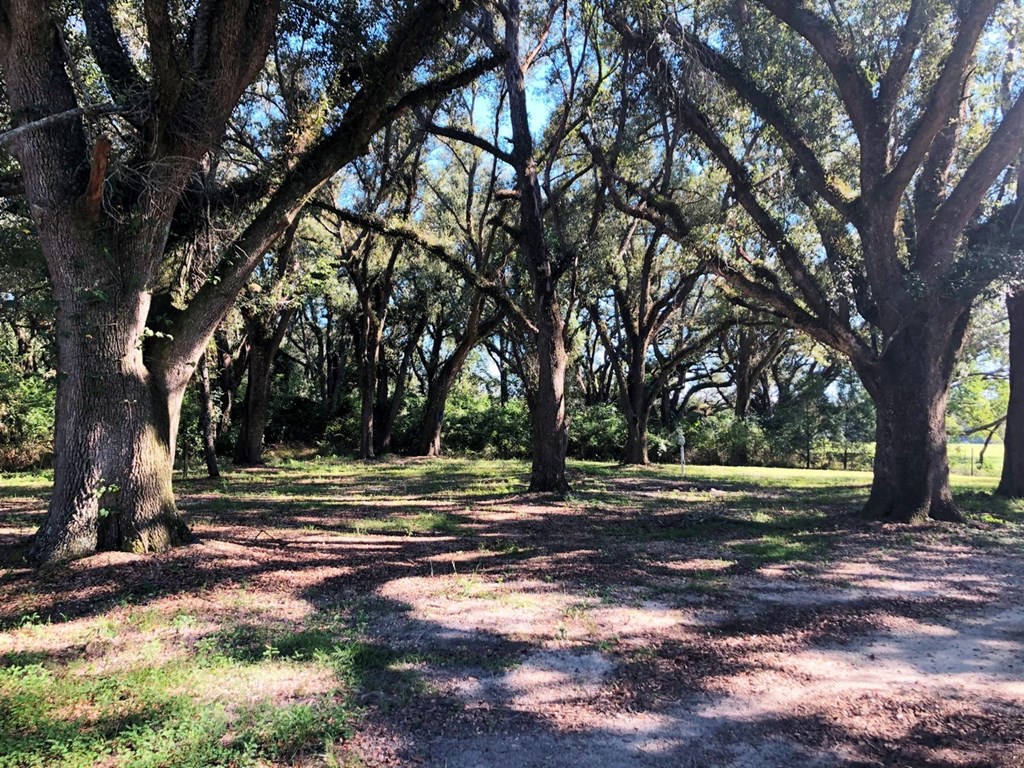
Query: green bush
(296, 419)
(724, 439)
(662, 449)
(480, 425)
(26, 418)
(341, 434)
(597, 433)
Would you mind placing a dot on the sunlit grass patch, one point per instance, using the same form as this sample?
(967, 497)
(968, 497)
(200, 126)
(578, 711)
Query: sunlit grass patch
(243, 696)
(445, 523)
(777, 549)
(148, 716)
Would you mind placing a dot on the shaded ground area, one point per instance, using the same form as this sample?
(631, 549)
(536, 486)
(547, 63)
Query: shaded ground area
(431, 613)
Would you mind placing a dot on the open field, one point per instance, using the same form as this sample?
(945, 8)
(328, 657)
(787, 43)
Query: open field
(431, 613)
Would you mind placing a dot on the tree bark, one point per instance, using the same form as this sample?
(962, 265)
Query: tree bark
(636, 437)
(368, 349)
(549, 419)
(1011, 481)
(256, 409)
(636, 403)
(112, 474)
(429, 443)
(444, 375)
(206, 424)
(117, 416)
(909, 385)
(548, 414)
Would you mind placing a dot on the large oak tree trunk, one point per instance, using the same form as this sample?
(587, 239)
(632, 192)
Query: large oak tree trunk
(429, 442)
(1011, 482)
(549, 418)
(636, 407)
(636, 437)
(114, 442)
(909, 386)
(117, 416)
(255, 408)
(548, 414)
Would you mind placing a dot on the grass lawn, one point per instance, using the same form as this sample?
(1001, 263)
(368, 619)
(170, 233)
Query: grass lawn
(333, 613)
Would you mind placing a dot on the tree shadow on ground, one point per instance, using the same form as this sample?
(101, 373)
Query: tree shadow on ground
(628, 548)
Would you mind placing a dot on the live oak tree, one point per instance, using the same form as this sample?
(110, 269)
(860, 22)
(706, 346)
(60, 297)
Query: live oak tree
(860, 153)
(1011, 481)
(320, 348)
(655, 296)
(108, 195)
(460, 321)
(1008, 236)
(464, 195)
(547, 244)
(385, 183)
(266, 313)
(748, 351)
(551, 223)
(655, 285)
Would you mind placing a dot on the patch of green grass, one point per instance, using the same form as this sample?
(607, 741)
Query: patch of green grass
(777, 549)
(131, 718)
(502, 547)
(252, 643)
(445, 523)
(285, 732)
(150, 715)
(708, 582)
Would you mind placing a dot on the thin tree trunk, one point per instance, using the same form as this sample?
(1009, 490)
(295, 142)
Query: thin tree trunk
(1011, 482)
(206, 419)
(744, 390)
(503, 383)
(429, 443)
(440, 387)
(368, 347)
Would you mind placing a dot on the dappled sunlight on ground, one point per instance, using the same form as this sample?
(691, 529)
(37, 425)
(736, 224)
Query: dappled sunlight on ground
(433, 613)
